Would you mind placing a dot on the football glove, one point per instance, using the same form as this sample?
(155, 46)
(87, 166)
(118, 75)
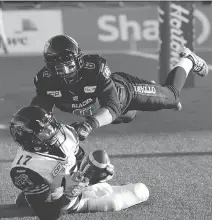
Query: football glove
(84, 128)
(76, 184)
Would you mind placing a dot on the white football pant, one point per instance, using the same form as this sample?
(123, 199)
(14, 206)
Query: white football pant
(103, 197)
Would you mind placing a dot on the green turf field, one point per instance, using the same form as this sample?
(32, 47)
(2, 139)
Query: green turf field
(168, 151)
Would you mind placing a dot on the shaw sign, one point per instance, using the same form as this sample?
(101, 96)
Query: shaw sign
(117, 28)
(120, 27)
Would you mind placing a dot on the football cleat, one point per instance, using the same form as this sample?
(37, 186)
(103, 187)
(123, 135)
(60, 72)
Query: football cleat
(199, 67)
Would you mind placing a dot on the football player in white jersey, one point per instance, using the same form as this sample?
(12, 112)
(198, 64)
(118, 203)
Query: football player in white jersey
(45, 169)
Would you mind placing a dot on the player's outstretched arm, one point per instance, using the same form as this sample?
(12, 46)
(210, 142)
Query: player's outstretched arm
(110, 109)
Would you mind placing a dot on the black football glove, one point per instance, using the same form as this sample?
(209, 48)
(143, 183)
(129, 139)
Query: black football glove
(84, 128)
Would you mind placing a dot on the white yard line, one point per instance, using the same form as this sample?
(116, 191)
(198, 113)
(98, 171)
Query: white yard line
(4, 127)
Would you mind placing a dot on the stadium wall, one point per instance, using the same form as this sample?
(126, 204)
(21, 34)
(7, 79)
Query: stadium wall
(127, 38)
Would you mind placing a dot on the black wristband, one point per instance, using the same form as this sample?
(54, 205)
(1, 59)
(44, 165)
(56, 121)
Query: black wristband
(93, 122)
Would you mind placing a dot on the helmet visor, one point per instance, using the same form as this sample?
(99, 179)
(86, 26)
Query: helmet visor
(20, 124)
(64, 66)
(66, 69)
(36, 132)
(46, 134)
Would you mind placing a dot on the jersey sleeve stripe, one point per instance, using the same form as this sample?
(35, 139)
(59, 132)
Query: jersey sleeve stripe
(35, 193)
(37, 190)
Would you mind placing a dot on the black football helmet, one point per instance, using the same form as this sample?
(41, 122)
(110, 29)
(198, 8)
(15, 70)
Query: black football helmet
(63, 57)
(35, 129)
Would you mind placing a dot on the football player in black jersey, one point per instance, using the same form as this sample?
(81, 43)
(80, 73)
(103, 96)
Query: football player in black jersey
(83, 84)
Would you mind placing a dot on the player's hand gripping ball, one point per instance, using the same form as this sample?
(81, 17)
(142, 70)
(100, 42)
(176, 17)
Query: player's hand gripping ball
(97, 167)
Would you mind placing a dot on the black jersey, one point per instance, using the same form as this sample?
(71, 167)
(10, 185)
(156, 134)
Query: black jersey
(94, 89)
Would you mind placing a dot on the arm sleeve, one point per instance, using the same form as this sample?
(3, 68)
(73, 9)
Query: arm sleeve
(107, 93)
(37, 191)
(44, 102)
(42, 99)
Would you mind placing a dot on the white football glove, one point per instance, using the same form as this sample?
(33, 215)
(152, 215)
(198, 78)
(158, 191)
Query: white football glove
(76, 184)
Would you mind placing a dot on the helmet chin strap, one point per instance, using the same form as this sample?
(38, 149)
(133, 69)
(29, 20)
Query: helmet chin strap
(58, 138)
(67, 80)
(72, 81)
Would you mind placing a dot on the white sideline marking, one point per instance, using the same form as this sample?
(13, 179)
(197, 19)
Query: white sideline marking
(3, 127)
(149, 55)
(210, 67)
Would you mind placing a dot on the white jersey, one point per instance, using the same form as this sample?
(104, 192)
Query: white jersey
(35, 173)
(42, 176)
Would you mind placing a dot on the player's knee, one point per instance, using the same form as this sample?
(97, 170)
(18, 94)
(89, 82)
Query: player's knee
(130, 115)
(126, 118)
(141, 191)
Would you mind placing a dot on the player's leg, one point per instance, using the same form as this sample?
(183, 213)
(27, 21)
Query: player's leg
(130, 115)
(152, 97)
(103, 197)
(187, 64)
(21, 200)
(126, 118)
(199, 67)
(156, 97)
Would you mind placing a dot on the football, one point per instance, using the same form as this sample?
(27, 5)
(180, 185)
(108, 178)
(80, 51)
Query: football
(96, 166)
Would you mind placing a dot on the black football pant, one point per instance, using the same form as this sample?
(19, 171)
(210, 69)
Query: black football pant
(153, 97)
(148, 96)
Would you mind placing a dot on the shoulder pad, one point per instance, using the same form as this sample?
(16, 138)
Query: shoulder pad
(94, 58)
(94, 61)
(42, 75)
